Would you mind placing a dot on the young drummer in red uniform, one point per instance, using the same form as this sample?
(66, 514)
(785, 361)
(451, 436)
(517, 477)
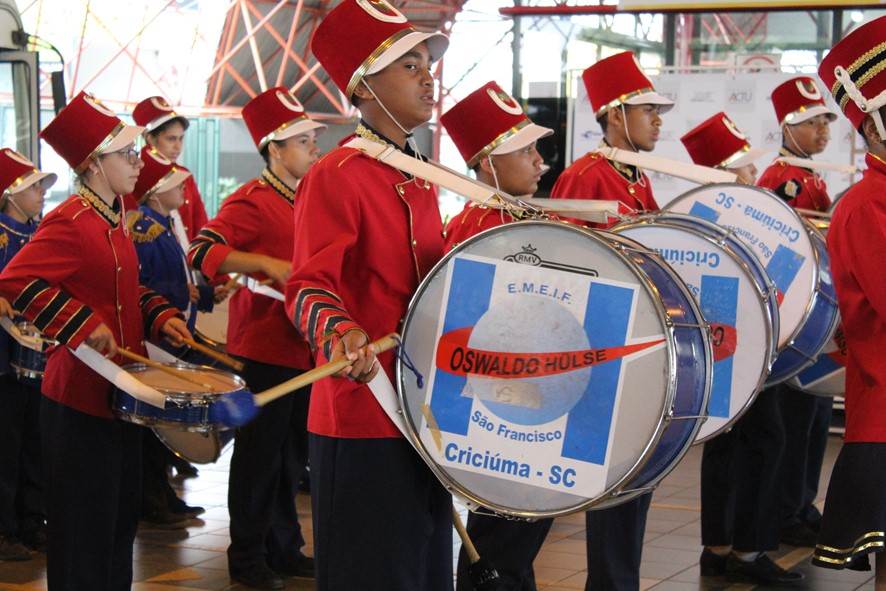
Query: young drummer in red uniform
(367, 235)
(77, 281)
(740, 469)
(498, 141)
(804, 119)
(854, 518)
(165, 130)
(628, 110)
(253, 234)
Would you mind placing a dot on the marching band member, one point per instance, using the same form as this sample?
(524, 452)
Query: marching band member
(77, 281)
(22, 516)
(804, 120)
(367, 235)
(629, 111)
(740, 469)
(165, 130)
(497, 141)
(254, 234)
(163, 268)
(855, 510)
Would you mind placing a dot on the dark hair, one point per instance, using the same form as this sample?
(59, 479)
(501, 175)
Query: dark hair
(266, 153)
(603, 120)
(167, 124)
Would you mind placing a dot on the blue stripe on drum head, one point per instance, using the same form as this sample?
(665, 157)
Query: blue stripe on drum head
(784, 266)
(719, 304)
(590, 420)
(470, 290)
(700, 210)
(821, 368)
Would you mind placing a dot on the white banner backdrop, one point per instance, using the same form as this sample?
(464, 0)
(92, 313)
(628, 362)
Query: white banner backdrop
(697, 96)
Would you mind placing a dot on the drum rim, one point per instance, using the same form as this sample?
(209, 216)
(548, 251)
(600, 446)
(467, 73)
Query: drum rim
(835, 320)
(471, 499)
(209, 341)
(816, 275)
(201, 396)
(763, 298)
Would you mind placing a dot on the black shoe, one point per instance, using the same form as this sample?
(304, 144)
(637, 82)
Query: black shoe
(302, 567)
(186, 470)
(165, 520)
(711, 564)
(188, 512)
(258, 577)
(762, 571)
(13, 549)
(799, 535)
(35, 538)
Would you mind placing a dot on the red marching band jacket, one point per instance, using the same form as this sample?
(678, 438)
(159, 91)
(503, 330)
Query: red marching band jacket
(192, 211)
(799, 187)
(256, 218)
(594, 177)
(78, 271)
(472, 220)
(367, 236)
(857, 248)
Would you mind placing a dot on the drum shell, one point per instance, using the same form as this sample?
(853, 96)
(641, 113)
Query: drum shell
(197, 447)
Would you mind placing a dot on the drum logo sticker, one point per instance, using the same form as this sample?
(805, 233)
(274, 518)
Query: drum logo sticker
(783, 268)
(719, 304)
(528, 371)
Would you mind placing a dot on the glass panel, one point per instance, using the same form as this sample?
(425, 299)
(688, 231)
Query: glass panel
(16, 126)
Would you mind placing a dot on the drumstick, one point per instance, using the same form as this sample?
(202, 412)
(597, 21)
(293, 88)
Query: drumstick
(232, 282)
(164, 368)
(483, 575)
(812, 213)
(318, 373)
(210, 352)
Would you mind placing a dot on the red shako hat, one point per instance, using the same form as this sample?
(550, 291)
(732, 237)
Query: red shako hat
(798, 100)
(158, 175)
(153, 112)
(618, 80)
(276, 115)
(717, 142)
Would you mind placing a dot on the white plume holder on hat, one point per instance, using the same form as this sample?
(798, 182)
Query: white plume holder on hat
(869, 106)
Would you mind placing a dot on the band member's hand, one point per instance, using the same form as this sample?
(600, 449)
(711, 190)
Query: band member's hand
(193, 293)
(102, 340)
(6, 309)
(277, 269)
(221, 293)
(354, 346)
(175, 330)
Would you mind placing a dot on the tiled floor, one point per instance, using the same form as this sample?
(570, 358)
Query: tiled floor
(195, 558)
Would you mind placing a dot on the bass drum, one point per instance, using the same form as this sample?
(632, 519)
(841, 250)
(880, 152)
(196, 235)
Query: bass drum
(794, 256)
(565, 369)
(736, 297)
(827, 376)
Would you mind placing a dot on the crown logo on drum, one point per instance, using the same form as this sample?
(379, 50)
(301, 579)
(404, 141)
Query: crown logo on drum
(381, 10)
(20, 158)
(288, 100)
(808, 89)
(504, 101)
(727, 122)
(160, 103)
(526, 256)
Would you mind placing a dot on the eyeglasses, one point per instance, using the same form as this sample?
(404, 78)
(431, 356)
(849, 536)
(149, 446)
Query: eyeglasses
(131, 154)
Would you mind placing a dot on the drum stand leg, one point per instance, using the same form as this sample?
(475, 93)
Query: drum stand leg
(484, 577)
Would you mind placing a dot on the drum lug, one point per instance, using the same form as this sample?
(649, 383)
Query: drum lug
(630, 491)
(688, 417)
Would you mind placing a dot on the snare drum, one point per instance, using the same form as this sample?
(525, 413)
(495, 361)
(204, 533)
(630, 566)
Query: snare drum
(187, 407)
(204, 447)
(737, 300)
(565, 369)
(27, 363)
(795, 257)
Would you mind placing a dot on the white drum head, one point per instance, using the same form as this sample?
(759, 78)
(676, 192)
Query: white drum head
(731, 302)
(575, 364)
(775, 233)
